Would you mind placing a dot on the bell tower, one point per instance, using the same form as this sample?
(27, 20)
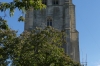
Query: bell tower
(59, 14)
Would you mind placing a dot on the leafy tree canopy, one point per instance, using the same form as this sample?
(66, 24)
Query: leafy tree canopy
(22, 5)
(40, 47)
(3, 24)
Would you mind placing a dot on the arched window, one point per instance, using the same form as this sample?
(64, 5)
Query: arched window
(44, 2)
(49, 22)
(55, 2)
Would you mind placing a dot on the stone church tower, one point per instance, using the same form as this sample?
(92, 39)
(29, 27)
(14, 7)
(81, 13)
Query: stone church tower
(59, 14)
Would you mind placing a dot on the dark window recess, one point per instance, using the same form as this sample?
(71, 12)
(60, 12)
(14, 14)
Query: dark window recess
(49, 22)
(44, 2)
(55, 2)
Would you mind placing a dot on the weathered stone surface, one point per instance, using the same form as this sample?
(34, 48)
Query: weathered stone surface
(63, 18)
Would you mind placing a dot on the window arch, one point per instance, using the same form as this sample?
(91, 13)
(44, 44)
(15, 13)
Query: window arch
(55, 2)
(44, 2)
(49, 21)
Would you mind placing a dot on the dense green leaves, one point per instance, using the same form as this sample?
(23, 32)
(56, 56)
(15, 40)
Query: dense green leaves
(22, 5)
(40, 47)
(3, 24)
(6, 36)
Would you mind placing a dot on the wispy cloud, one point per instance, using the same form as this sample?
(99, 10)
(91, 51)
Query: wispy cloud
(98, 65)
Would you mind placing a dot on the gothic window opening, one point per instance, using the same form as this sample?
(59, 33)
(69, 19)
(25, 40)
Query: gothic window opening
(55, 2)
(44, 2)
(49, 22)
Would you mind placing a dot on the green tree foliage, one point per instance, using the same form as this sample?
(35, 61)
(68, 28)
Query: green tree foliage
(40, 47)
(6, 36)
(3, 24)
(22, 5)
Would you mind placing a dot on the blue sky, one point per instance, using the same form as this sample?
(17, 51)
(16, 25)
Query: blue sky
(87, 23)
